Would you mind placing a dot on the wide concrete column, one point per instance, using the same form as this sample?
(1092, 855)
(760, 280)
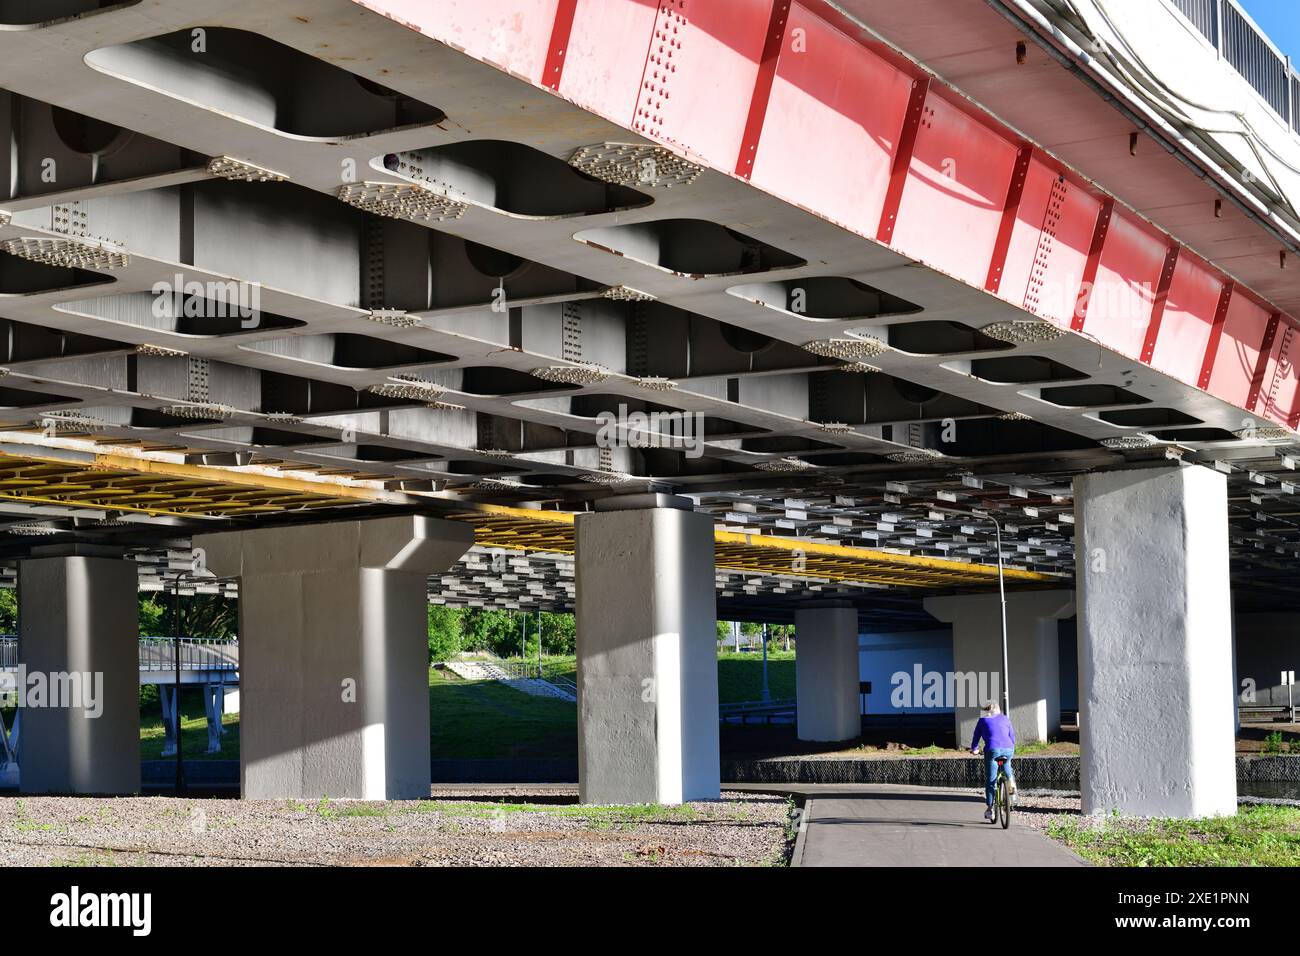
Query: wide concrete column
(1032, 652)
(647, 653)
(334, 662)
(826, 672)
(78, 637)
(1155, 642)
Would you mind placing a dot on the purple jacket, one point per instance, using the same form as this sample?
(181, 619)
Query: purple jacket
(996, 732)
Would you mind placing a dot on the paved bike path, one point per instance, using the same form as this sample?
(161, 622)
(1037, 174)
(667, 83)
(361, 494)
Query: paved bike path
(914, 826)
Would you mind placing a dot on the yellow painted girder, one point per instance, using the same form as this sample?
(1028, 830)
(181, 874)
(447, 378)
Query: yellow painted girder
(526, 529)
(146, 486)
(127, 483)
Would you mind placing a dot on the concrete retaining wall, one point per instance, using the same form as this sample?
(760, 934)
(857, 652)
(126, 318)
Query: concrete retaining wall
(505, 770)
(199, 774)
(1284, 769)
(1047, 773)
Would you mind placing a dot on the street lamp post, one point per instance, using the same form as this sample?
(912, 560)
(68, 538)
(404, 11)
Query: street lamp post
(1002, 596)
(176, 687)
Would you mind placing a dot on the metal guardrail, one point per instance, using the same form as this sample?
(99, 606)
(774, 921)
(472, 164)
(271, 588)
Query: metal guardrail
(564, 683)
(757, 706)
(158, 654)
(1230, 30)
(555, 672)
(759, 711)
(197, 654)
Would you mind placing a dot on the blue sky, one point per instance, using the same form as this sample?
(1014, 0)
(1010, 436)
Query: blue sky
(1280, 19)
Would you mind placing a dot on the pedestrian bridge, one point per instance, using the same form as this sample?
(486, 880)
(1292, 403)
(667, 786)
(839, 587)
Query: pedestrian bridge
(210, 663)
(202, 660)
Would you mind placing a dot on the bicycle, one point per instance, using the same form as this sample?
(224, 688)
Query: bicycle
(1002, 795)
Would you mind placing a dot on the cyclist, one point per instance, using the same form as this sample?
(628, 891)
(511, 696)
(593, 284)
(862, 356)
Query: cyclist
(999, 737)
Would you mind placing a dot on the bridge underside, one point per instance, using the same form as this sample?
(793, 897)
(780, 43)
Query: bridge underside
(264, 267)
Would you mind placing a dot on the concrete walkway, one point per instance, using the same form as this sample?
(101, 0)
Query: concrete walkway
(884, 825)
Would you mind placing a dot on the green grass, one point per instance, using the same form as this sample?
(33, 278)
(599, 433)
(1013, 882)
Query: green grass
(1256, 836)
(480, 719)
(1276, 743)
(326, 810)
(26, 824)
(596, 816)
(740, 676)
(564, 666)
(194, 730)
(467, 719)
(1033, 747)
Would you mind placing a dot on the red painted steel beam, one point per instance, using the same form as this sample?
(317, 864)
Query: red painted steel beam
(745, 86)
(1161, 302)
(561, 32)
(1095, 247)
(1216, 334)
(901, 160)
(1010, 211)
(1261, 366)
(763, 88)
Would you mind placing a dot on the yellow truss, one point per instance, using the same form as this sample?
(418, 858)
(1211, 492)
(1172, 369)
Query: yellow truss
(145, 486)
(142, 485)
(523, 529)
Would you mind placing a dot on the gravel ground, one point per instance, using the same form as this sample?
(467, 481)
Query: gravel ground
(1038, 808)
(491, 826)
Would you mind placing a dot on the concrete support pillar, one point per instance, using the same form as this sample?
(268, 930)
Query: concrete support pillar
(212, 699)
(826, 672)
(1033, 657)
(167, 697)
(334, 653)
(1236, 687)
(78, 636)
(647, 653)
(1155, 642)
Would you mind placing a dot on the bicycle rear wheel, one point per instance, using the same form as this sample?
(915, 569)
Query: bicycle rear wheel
(1004, 801)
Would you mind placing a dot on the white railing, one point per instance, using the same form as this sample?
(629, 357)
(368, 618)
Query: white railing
(159, 654)
(1230, 30)
(197, 654)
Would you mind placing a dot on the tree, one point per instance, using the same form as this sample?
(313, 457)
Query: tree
(444, 632)
(202, 615)
(499, 632)
(9, 610)
(209, 615)
(559, 633)
(154, 616)
(495, 631)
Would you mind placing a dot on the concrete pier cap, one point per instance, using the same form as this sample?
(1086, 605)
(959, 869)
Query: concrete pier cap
(414, 543)
(1032, 651)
